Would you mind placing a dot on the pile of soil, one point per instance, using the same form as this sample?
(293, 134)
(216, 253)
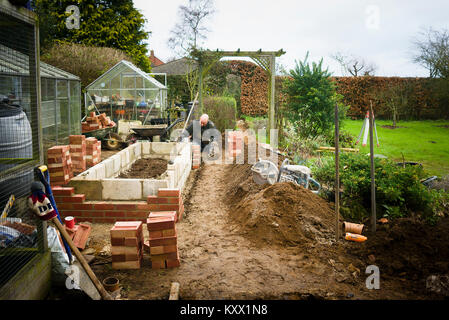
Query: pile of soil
(284, 213)
(146, 169)
(409, 248)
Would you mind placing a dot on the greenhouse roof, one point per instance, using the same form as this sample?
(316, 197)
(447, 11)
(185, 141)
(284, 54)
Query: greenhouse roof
(13, 62)
(124, 67)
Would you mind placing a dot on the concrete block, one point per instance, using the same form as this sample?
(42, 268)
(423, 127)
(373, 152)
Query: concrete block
(100, 171)
(117, 164)
(150, 187)
(109, 165)
(162, 148)
(122, 189)
(146, 148)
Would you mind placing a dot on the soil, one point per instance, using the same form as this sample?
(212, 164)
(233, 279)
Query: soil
(146, 169)
(240, 240)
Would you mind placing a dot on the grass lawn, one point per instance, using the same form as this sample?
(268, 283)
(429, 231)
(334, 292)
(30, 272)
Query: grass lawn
(420, 141)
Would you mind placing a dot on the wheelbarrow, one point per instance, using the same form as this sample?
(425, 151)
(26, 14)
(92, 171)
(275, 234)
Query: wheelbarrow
(148, 132)
(111, 140)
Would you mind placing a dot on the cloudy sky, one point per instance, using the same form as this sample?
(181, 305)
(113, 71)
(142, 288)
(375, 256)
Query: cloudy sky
(380, 31)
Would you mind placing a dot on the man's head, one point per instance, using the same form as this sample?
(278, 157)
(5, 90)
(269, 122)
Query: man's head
(204, 119)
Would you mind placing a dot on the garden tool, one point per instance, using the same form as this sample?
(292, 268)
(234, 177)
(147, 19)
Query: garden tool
(265, 171)
(44, 177)
(45, 210)
(8, 206)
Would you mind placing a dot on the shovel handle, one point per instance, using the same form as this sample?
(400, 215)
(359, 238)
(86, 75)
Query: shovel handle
(104, 294)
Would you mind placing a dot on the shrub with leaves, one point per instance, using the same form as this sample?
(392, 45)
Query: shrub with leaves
(222, 111)
(399, 191)
(311, 99)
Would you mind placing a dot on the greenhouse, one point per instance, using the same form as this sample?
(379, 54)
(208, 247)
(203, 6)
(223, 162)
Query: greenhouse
(125, 92)
(60, 95)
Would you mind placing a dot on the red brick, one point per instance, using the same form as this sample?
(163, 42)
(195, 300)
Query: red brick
(152, 199)
(173, 263)
(169, 207)
(165, 192)
(82, 206)
(158, 265)
(61, 191)
(117, 214)
(104, 220)
(103, 206)
(96, 214)
(165, 256)
(174, 200)
(144, 207)
(170, 214)
(165, 241)
(77, 198)
(64, 206)
(125, 207)
(160, 223)
(137, 214)
(161, 200)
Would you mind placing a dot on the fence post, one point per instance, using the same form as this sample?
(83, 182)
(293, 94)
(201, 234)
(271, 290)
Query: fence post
(337, 175)
(373, 182)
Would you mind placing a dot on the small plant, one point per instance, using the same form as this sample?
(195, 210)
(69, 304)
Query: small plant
(399, 191)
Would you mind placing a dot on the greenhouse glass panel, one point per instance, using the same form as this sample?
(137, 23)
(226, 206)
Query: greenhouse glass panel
(125, 92)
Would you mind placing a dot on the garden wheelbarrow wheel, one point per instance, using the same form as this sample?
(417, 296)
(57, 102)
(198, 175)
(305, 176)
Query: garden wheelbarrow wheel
(113, 141)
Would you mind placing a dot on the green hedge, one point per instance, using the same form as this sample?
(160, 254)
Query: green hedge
(222, 111)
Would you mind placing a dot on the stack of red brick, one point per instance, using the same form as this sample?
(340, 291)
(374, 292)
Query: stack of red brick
(59, 165)
(234, 143)
(93, 152)
(196, 151)
(78, 153)
(167, 200)
(127, 245)
(94, 122)
(163, 240)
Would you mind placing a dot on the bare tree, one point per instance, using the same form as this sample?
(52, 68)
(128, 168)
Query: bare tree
(190, 30)
(433, 52)
(354, 66)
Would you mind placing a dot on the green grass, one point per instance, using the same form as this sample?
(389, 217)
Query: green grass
(413, 141)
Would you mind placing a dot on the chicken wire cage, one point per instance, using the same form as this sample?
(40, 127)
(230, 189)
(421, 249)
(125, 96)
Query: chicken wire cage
(125, 92)
(60, 95)
(22, 236)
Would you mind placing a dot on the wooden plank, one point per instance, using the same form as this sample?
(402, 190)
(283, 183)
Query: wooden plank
(174, 291)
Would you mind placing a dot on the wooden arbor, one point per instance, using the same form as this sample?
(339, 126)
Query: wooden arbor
(265, 59)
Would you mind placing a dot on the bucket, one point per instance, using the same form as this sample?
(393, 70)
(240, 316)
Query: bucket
(352, 227)
(70, 222)
(111, 284)
(16, 142)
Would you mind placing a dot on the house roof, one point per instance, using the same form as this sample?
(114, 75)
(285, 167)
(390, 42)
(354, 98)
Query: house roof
(155, 61)
(176, 67)
(13, 62)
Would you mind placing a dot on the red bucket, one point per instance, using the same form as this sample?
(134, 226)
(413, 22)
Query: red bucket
(70, 222)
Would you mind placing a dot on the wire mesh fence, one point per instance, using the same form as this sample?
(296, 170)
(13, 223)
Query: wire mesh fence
(21, 234)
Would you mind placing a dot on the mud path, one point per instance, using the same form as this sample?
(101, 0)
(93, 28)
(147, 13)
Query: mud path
(218, 261)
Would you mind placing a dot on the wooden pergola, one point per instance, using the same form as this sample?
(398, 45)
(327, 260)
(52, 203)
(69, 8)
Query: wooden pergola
(265, 59)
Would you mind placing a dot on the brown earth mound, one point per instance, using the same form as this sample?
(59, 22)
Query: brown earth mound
(409, 248)
(146, 169)
(283, 213)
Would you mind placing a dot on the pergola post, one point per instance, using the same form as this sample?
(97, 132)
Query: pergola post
(200, 86)
(272, 89)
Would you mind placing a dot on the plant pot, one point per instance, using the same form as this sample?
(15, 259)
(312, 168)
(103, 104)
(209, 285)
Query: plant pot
(111, 284)
(352, 227)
